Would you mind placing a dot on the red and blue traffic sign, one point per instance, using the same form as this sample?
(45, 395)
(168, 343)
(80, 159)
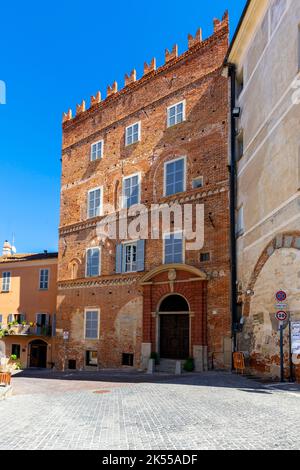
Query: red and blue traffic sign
(281, 315)
(281, 296)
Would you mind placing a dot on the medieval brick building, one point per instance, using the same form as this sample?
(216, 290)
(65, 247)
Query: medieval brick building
(161, 139)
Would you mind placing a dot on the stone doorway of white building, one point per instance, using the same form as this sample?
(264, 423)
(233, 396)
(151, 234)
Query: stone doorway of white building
(37, 354)
(174, 327)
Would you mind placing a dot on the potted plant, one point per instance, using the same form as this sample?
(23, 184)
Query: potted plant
(189, 365)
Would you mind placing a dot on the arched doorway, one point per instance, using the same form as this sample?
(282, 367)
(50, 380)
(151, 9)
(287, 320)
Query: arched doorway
(174, 328)
(38, 353)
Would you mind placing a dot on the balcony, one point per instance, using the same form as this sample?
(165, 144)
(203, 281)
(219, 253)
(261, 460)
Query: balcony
(25, 330)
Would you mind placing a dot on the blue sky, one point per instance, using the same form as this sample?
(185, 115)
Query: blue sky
(54, 54)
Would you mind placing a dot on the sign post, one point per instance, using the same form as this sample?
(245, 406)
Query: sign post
(281, 315)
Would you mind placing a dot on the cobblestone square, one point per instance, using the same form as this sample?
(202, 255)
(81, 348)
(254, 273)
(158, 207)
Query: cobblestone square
(122, 410)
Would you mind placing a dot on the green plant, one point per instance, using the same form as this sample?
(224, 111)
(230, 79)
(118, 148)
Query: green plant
(13, 357)
(3, 332)
(155, 356)
(24, 323)
(189, 365)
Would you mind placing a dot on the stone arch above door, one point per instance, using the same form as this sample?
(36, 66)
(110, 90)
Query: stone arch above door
(284, 240)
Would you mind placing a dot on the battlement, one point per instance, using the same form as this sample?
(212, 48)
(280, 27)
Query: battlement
(131, 79)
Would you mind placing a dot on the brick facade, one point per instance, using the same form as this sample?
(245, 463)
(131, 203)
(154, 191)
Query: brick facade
(125, 301)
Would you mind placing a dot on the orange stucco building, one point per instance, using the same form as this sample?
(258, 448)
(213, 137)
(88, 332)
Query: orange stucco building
(27, 307)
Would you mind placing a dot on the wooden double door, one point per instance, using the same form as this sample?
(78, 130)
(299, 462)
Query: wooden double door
(174, 336)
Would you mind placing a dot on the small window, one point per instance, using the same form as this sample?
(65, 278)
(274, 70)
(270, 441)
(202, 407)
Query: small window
(97, 150)
(239, 83)
(1, 319)
(133, 133)
(176, 114)
(92, 324)
(93, 262)
(131, 191)
(240, 222)
(72, 364)
(130, 257)
(240, 145)
(16, 350)
(94, 202)
(174, 176)
(44, 279)
(6, 277)
(173, 248)
(127, 359)
(198, 182)
(204, 257)
(91, 358)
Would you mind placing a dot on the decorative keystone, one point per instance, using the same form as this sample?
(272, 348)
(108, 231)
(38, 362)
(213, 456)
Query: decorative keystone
(195, 40)
(171, 55)
(151, 67)
(111, 90)
(67, 116)
(96, 99)
(80, 108)
(219, 24)
(130, 78)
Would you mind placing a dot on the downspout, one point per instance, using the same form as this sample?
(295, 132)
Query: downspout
(232, 169)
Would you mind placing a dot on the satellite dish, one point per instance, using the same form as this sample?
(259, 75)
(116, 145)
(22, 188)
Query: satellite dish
(14, 249)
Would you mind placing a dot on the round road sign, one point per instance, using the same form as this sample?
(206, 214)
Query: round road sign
(281, 296)
(281, 315)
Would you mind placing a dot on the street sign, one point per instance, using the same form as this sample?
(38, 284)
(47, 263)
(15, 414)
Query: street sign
(281, 296)
(281, 315)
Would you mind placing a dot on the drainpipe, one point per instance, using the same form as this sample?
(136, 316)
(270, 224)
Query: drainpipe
(232, 169)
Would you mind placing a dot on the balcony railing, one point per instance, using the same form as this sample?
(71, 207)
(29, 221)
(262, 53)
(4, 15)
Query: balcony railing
(27, 330)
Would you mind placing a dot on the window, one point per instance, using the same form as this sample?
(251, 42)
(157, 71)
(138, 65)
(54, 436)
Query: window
(173, 248)
(97, 150)
(133, 133)
(1, 319)
(94, 202)
(72, 364)
(93, 262)
(10, 318)
(175, 176)
(239, 83)
(131, 190)
(204, 257)
(91, 358)
(197, 182)
(240, 222)
(130, 257)
(6, 276)
(92, 324)
(16, 350)
(176, 113)
(44, 279)
(127, 359)
(240, 145)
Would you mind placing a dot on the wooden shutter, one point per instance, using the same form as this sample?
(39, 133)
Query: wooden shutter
(119, 258)
(140, 251)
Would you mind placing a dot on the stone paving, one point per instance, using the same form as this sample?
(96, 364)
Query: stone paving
(120, 410)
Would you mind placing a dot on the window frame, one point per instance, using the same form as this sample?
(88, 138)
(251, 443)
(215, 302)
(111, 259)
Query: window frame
(123, 261)
(101, 202)
(165, 235)
(91, 309)
(183, 157)
(48, 279)
(4, 281)
(138, 174)
(86, 261)
(102, 150)
(139, 133)
(183, 102)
